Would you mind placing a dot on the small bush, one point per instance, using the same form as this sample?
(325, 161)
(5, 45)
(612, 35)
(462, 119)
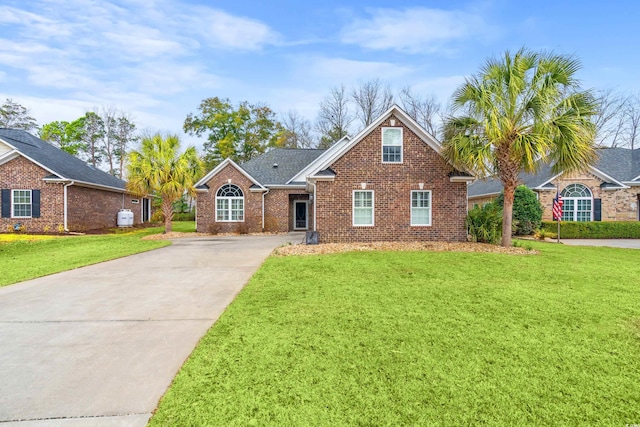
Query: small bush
(543, 234)
(157, 216)
(527, 211)
(485, 223)
(595, 229)
(184, 216)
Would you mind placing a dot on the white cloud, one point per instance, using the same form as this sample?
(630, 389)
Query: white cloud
(440, 87)
(222, 30)
(414, 30)
(348, 71)
(136, 43)
(11, 15)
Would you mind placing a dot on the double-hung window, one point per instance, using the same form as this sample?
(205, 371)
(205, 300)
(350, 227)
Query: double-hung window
(229, 204)
(421, 208)
(392, 145)
(21, 203)
(362, 207)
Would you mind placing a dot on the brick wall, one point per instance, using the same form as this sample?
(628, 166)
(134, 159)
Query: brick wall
(279, 209)
(21, 174)
(90, 208)
(87, 208)
(278, 215)
(617, 205)
(206, 205)
(392, 185)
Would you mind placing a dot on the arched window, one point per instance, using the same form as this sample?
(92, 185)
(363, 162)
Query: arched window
(577, 203)
(229, 204)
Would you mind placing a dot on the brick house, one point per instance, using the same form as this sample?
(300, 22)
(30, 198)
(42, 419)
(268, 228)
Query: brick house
(607, 191)
(388, 183)
(46, 189)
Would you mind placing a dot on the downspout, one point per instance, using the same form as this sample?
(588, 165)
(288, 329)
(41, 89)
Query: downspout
(264, 193)
(66, 228)
(313, 184)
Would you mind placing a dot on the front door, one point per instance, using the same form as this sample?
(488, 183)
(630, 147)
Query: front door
(300, 215)
(146, 209)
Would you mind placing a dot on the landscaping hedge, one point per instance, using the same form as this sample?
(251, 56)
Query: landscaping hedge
(595, 229)
(184, 216)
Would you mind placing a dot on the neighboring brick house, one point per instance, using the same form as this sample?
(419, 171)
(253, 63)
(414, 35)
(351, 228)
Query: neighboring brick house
(607, 191)
(388, 183)
(44, 189)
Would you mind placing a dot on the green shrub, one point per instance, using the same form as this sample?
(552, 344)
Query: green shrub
(542, 234)
(485, 223)
(184, 216)
(157, 216)
(527, 211)
(595, 229)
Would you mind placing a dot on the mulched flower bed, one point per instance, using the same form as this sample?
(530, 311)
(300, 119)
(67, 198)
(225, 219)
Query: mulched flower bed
(330, 248)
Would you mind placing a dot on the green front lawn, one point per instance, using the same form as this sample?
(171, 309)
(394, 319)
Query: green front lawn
(422, 339)
(24, 257)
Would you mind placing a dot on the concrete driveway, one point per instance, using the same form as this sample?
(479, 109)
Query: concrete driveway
(613, 243)
(99, 345)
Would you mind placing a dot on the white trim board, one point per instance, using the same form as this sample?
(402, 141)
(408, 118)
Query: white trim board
(221, 166)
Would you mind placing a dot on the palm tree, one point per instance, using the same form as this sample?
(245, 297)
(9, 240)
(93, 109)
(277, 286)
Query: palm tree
(158, 167)
(520, 111)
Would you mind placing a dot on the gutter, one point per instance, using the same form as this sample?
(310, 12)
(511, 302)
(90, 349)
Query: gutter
(263, 194)
(313, 184)
(66, 228)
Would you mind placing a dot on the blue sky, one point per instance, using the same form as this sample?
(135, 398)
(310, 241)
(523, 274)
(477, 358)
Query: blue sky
(157, 59)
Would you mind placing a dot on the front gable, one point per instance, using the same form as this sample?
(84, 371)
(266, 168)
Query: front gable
(224, 168)
(375, 193)
(396, 118)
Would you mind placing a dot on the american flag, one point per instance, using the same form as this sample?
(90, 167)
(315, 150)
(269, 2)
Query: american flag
(557, 207)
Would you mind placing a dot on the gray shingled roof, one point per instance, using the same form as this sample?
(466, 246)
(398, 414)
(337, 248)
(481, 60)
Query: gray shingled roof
(290, 161)
(622, 164)
(61, 163)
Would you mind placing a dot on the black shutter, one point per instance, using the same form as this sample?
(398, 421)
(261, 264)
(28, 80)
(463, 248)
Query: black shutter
(597, 209)
(35, 203)
(6, 203)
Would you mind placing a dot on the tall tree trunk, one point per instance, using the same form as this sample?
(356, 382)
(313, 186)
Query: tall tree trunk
(507, 215)
(167, 210)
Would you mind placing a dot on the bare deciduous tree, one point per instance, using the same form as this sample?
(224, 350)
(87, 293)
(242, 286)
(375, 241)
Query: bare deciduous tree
(119, 131)
(125, 134)
(426, 111)
(371, 99)
(15, 116)
(610, 120)
(334, 117)
(632, 120)
(297, 131)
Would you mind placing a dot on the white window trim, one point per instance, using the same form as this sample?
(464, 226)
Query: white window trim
(230, 208)
(575, 208)
(13, 203)
(430, 208)
(295, 207)
(353, 208)
(382, 145)
(575, 204)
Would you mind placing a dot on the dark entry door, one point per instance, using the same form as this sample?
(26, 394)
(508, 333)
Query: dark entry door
(300, 218)
(146, 210)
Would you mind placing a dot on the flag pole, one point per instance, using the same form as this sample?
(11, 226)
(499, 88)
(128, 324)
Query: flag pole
(558, 216)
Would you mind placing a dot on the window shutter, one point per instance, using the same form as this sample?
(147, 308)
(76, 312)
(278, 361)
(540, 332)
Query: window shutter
(6, 203)
(597, 209)
(35, 203)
